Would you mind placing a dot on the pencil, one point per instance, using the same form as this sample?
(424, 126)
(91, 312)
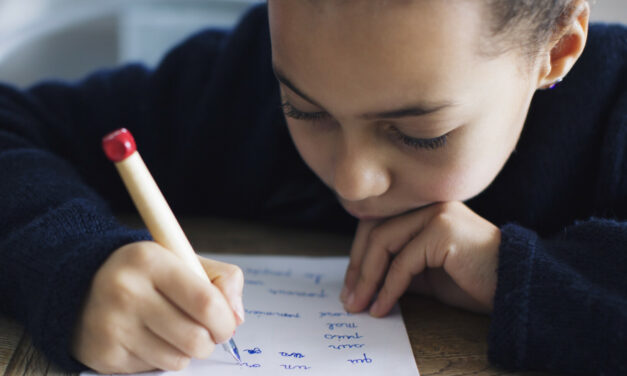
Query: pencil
(120, 148)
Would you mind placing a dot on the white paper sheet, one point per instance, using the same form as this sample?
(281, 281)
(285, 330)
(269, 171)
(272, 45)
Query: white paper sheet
(295, 324)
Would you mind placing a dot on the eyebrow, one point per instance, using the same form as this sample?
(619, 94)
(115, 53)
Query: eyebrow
(285, 81)
(406, 111)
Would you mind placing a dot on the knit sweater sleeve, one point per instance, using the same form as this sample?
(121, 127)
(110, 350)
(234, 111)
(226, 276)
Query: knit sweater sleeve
(56, 228)
(561, 300)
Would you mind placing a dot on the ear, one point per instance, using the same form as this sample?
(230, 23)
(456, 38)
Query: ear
(565, 48)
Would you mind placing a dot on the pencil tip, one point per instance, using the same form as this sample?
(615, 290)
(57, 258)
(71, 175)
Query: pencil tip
(235, 351)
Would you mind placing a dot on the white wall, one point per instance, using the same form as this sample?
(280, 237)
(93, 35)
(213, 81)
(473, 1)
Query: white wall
(67, 39)
(15, 13)
(609, 11)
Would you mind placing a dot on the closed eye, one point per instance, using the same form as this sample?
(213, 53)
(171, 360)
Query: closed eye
(294, 113)
(415, 143)
(419, 143)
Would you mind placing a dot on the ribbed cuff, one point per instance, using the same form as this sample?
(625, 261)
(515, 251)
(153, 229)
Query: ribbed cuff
(67, 286)
(509, 327)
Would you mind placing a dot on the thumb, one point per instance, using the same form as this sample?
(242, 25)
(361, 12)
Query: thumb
(229, 279)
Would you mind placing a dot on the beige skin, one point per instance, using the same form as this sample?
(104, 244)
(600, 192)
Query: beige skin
(363, 68)
(145, 310)
(350, 61)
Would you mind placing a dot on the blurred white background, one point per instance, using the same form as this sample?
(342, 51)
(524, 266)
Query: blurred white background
(66, 39)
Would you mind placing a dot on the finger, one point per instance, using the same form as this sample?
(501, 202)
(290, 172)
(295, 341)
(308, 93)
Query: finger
(409, 262)
(115, 360)
(229, 279)
(133, 364)
(384, 242)
(358, 248)
(195, 296)
(153, 350)
(448, 291)
(175, 327)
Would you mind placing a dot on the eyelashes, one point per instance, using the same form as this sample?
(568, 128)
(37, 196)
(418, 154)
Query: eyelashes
(293, 113)
(396, 134)
(419, 143)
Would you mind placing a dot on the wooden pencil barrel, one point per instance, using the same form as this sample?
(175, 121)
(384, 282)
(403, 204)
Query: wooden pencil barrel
(155, 211)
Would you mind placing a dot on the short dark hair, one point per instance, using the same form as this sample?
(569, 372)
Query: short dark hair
(526, 24)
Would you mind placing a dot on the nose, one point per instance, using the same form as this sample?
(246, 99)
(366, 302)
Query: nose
(360, 174)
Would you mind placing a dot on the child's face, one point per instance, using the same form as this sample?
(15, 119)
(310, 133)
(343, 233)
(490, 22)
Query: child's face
(372, 86)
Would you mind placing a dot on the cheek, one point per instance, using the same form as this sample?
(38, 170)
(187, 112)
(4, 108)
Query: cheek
(474, 167)
(460, 183)
(315, 149)
(440, 185)
(461, 174)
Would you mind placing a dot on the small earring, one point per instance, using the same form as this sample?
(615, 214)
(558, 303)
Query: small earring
(555, 83)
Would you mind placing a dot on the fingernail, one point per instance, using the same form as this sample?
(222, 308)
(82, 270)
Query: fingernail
(374, 310)
(351, 299)
(343, 294)
(238, 308)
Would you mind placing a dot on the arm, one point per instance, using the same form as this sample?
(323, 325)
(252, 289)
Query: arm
(213, 102)
(56, 228)
(561, 303)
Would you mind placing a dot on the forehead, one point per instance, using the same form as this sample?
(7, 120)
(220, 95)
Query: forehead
(372, 45)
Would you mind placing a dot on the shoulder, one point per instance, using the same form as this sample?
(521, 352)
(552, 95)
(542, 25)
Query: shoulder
(609, 38)
(602, 67)
(606, 48)
(252, 25)
(605, 60)
(211, 42)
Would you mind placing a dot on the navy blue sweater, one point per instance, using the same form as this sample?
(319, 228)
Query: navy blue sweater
(213, 104)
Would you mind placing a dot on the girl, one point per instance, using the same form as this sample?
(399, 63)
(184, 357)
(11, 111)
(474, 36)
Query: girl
(427, 121)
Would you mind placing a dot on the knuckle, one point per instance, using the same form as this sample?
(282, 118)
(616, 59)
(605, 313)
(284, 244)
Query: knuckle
(178, 363)
(397, 266)
(141, 256)
(375, 235)
(203, 302)
(196, 341)
(365, 279)
(122, 292)
(444, 221)
(353, 268)
(234, 272)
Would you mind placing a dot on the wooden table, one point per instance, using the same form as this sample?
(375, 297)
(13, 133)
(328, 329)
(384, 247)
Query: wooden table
(445, 340)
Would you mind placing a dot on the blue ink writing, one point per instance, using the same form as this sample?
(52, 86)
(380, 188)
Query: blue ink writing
(363, 360)
(270, 313)
(315, 277)
(253, 282)
(341, 337)
(348, 325)
(335, 314)
(305, 294)
(293, 366)
(254, 365)
(256, 350)
(270, 272)
(293, 355)
(347, 346)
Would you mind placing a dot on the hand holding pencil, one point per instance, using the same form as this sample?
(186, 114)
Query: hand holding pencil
(153, 305)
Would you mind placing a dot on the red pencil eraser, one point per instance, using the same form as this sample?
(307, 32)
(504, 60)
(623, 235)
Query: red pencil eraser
(118, 145)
